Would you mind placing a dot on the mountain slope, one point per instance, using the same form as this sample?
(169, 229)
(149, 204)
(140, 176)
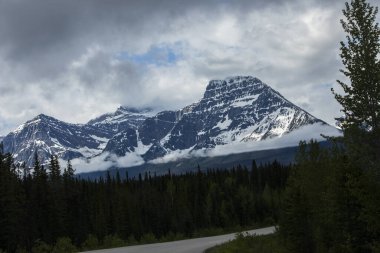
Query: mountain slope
(47, 135)
(237, 109)
(140, 140)
(123, 118)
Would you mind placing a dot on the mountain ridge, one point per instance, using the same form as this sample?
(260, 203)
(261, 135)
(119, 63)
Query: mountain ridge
(234, 110)
(231, 110)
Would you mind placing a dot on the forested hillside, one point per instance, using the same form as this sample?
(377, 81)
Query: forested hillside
(50, 204)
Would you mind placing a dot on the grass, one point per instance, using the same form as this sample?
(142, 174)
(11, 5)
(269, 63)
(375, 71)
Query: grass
(250, 244)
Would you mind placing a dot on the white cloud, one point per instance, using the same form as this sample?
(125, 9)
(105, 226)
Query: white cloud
(105, 161)
(292, 139)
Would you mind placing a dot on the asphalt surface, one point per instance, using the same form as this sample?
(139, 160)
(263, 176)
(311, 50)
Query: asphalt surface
(197, 245)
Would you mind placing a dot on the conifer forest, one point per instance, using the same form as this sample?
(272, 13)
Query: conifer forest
(51, 203)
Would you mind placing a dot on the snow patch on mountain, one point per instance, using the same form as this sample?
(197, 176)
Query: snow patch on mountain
(246, 101)
(223, 124)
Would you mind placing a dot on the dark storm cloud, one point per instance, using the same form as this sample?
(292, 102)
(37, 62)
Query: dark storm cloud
(42, 36)
(51, 33)
(64, 56)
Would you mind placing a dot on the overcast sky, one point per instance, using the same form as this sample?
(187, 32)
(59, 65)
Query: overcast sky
(75, 60)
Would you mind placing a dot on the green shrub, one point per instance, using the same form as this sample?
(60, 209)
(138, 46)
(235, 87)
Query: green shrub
(210, 232)
(168, 237)
(172, 237)
(41, 247)
(64, 245)
(148, 238)
(21, 250)
(250, 244)
(131, 240)
(376, 247)
(91, 243)
(113, 241)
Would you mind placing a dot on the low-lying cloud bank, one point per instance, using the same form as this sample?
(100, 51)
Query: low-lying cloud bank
(107, 160)
(288, 140)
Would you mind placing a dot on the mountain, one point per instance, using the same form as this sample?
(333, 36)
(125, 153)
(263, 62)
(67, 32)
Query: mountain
(233, 110)
(48, 136)
(123, 118)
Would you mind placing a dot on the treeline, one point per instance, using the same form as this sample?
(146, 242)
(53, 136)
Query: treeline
(332, 201)
(49, 204)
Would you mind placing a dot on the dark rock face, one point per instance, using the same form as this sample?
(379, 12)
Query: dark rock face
(151, 131)
(128, 137)
(236, 109)
(155, 128)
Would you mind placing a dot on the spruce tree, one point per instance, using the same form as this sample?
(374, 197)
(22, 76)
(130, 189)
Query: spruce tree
(69, 171)
(55, 170)
(360, 54)
(360, 57)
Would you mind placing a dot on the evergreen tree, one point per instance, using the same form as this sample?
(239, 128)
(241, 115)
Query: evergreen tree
(68, 172)
(361, 102)
(11, 210)
(360, 58)
(56, 198)
(361, 105)
(55, 170)
(41, 206)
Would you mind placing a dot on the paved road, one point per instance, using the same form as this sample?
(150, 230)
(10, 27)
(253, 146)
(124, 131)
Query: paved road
(185, 246)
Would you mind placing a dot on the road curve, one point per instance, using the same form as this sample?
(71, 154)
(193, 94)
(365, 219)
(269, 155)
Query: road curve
(197, 245)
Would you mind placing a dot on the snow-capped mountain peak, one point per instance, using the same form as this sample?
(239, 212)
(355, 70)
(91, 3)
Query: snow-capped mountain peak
(236, 109)
(124, 117)
(239, 109)
(47, 135)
